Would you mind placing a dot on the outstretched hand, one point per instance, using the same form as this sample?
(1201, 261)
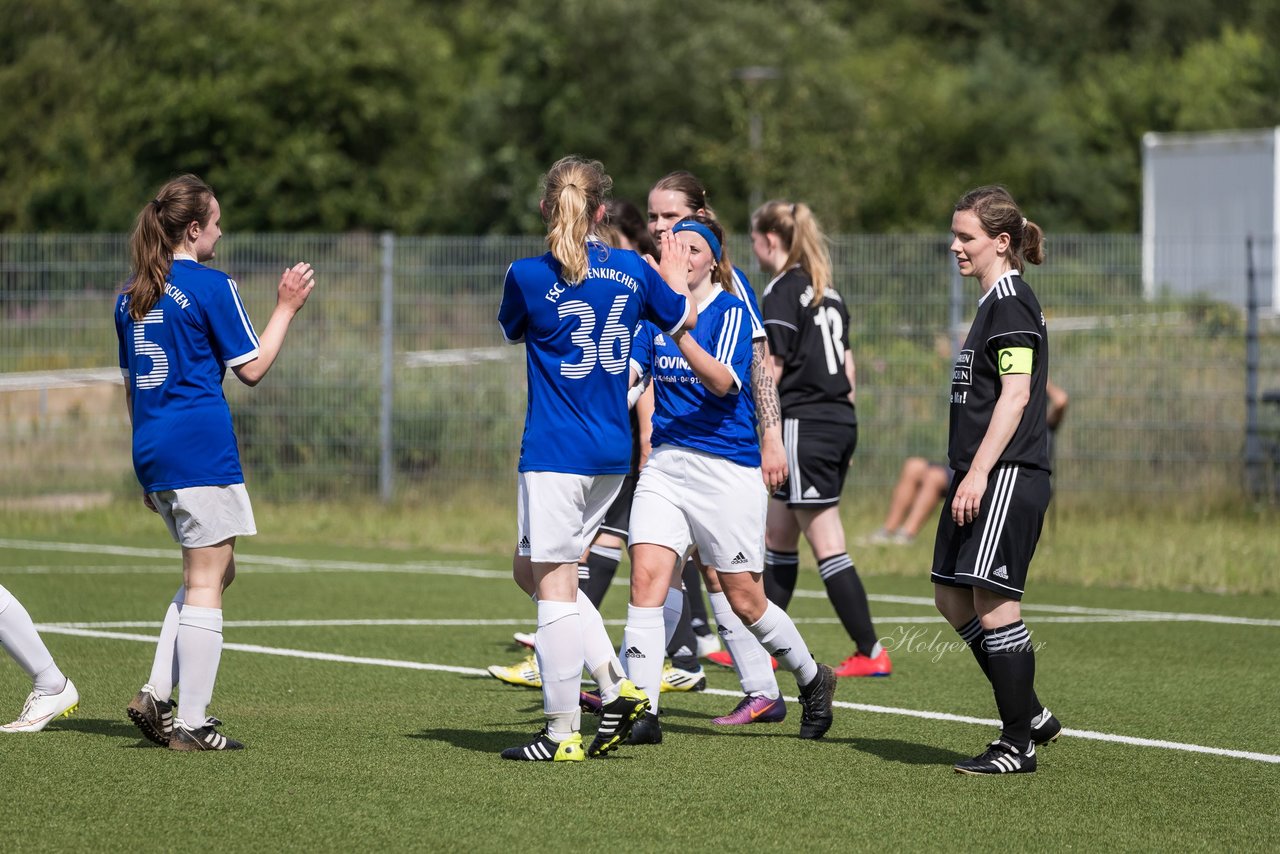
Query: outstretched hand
(296, 284)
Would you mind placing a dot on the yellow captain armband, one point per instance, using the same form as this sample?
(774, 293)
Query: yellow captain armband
(1014, 360)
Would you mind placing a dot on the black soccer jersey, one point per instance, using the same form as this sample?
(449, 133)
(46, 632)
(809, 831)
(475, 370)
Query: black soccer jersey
(1008, 335)
(811, 340)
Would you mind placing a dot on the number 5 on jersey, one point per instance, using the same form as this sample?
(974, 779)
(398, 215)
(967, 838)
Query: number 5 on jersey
(159, 372)
(613, 346)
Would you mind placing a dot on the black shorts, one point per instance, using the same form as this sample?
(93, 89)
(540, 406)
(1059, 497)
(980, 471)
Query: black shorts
(995, 550)
(818, 455)
(617, 519)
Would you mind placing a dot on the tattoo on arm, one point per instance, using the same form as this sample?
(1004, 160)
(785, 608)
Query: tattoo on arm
(768, 411)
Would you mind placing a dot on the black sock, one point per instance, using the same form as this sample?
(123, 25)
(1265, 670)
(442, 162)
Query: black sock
(695, 605)
(1011, 662)
(780, 571)
(602, 565)
(971, 633)
(683, 649)
(845, 591)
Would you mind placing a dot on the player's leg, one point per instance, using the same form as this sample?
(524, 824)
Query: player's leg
(994, 562)
(700, 618)
(934, 484)
(684, 672)
(762, 698)
(52, 695)
(781, 558)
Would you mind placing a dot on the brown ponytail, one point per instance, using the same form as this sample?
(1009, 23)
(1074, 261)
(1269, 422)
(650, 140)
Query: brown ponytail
(159, 227)
(999, 214)
(572, 191)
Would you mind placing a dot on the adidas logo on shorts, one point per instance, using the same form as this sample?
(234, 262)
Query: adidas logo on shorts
(1001, 572)
(632, 652)
(524, 542)
(739, 560)
(811, 492)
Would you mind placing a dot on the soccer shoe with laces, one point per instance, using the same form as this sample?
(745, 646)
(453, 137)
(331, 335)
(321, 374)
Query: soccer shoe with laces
(676, 679)
(815, 703)
(152, 715)
(205, 737)
(543, 749)
(724, 659)
(647, 730)
(1000, 757)
(39, 709)
(756, 709)
(864, 665)
(524, 674)
(1045, 727)
(617, 717)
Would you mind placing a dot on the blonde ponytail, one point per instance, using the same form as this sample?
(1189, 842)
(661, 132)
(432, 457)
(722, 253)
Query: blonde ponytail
(573, 190)
(805, 242)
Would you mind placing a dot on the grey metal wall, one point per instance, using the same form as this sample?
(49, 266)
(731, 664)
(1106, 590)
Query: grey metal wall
(1157, 388)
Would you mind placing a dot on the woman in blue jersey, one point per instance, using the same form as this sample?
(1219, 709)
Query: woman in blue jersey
(180, 325)
(702, 488)
(576, 308)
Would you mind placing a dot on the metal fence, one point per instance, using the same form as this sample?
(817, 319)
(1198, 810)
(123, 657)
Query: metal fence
(395, 379)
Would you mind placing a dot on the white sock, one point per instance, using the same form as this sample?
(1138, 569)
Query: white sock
(750, 660)
(779, 635)
(164, 670)
(558, 645)
(199, 651)
(19, 638)
(645, 651)
(672, 610)
(597, 651)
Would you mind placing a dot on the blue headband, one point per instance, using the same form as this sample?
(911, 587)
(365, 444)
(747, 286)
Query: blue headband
(700, 230)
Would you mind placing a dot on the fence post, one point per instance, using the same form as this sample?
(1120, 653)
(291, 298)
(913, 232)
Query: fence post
(1252, 447)
(388, 353)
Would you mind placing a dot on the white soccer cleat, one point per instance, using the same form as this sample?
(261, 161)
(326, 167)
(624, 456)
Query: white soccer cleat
(524, 639)
(40, 709)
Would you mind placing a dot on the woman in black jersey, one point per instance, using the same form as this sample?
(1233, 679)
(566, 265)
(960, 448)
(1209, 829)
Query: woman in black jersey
(808, 329)
(998, 447)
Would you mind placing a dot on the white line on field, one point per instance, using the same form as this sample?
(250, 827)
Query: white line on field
(522, 621)
(861, 707)
(286, 564)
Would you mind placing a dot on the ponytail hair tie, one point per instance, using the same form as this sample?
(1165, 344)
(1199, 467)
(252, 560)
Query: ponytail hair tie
(156, 203)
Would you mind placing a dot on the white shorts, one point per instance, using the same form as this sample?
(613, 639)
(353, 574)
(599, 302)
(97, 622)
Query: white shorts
(690, 498)
(558, 514)
(200, 516)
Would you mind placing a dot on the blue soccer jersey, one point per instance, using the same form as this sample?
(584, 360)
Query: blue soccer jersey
(577, 348)
(688, 415)
(174, 360)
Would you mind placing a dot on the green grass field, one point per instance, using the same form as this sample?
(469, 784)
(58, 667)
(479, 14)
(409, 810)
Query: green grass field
(390, 738)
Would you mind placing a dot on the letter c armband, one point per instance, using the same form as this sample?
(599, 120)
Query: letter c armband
(1014, 360)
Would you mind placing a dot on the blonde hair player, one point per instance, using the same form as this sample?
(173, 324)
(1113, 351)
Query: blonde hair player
(576, 309)
(180, 325)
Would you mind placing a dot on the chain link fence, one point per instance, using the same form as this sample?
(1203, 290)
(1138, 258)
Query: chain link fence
(395, 380)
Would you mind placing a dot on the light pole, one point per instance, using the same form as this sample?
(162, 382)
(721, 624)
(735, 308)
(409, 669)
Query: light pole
(753, 76)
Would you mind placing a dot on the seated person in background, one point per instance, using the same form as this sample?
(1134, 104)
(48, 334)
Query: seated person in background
(923, 485)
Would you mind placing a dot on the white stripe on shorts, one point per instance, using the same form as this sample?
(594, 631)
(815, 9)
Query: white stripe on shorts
(1006, 477)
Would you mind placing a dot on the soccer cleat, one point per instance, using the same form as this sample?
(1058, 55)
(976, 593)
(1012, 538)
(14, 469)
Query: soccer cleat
(756, 709)
(543, 749)
(589, 702)
(1045, 727)
(617, 718)
(815, 703)
(40, 709)
(524, 639)
(676, 679)
(524, 674)
(707, 644)
(206, 737)
(1000, 757)
(724, 659)
(152, 715)
(863, 665)
(647, 730)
